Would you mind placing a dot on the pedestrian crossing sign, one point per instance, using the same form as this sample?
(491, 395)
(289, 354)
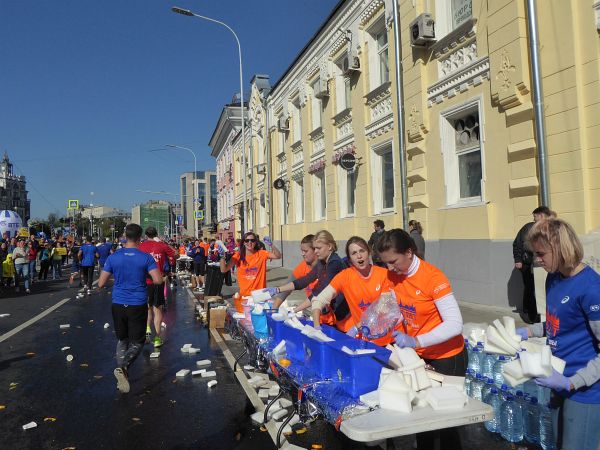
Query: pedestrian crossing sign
(73, 204)
(200, 215)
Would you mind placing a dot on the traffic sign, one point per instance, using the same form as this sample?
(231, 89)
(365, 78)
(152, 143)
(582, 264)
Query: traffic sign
(73, 204)
(200, 215)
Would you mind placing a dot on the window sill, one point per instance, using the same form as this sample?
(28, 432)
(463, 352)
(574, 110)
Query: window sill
(386, 212)
(465, 204)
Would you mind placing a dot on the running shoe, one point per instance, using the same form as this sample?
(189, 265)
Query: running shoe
(157, 341)
(148, 335)
(89, 292)
(122, 380)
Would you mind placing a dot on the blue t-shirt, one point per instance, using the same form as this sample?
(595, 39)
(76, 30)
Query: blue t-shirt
(88, 254)
(104, 251)
(570, 304)
(129, 267)
(197, 253)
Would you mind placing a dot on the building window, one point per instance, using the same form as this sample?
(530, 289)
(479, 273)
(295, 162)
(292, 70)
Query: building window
(299, 200)
(347, 186)
(343, 99)
(383, 179)
(297, 120)
(319, 196)
(316, 106)
(379, 71)
(450, 14)
(281, 137)
(463, 153)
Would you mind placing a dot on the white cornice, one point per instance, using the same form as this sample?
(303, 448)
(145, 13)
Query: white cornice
(370, 10)
(459, 81)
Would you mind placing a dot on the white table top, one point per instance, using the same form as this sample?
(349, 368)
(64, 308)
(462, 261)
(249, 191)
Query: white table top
(383, 424)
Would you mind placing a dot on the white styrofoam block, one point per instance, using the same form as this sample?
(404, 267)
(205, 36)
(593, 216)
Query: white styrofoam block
(260, 295)
(258, 383)
(211, 383)
(186, 345)
(263, 393)
(198, 372)
(533, 366)
(514, 382)
(493, 338)
(347, 350)
(509, 325)
(279, 348)
(154, 354)
(422, 380)
(558, 364)
(442, 398)
(531, 346)
(506, 335)
(285, 403)
(182, 373)
(420, 399)
(185, 349)
(248, 367)
(395, 401)
(65, 325)
(274, 391)
(513, 368)
(370, 399)
(193, 350)
(488, 347)
(210, 373)
(407, 355)
(280, 414)
(394, 361)
(106, 325)
(29, 425)
(258, 417)
(203, 362)
(364, 351)
(435, 375)
(65, 348)
(457, 382)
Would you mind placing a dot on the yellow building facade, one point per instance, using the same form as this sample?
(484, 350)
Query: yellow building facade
(472, 162)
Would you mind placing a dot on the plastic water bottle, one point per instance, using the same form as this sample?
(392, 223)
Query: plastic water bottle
(520, 399)
(499, 370)
(504, 391)
(487, 387)
(511, 420)
(477, 387)
(468, 381)
(547, 432)
(495, 401)
(475, 360)
(530, 388)
(487, 365)
(380, 318)
(531, 414)
(543, 394)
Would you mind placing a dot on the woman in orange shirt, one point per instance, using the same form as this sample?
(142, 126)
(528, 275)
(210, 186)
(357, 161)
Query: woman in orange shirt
(251, 264)
(431, 315)
(362, 283)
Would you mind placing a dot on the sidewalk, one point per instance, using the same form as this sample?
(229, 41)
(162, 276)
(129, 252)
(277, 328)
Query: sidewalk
(471, 312)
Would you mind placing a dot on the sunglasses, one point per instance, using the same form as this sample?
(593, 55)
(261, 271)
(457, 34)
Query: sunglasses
(249, 240)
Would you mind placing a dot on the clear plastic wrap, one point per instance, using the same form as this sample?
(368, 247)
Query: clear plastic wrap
(381, 317)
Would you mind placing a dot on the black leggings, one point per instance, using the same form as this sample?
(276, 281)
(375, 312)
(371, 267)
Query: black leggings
(448, 438)
(87, 272)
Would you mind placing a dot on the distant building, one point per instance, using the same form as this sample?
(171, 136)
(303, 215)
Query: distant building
(101, 212)
(156, 213)
(206, 200)
(13, 194)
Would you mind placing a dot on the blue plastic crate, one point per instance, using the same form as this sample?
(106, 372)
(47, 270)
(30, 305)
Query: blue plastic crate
(318, 356)
(274, 327)
(357, 374)
(293, 341)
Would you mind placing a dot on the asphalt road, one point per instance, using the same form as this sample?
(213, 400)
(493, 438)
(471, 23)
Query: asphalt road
(76, 404)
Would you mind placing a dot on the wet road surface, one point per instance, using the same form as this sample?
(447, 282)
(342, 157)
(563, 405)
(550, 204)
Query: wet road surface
(77, 405)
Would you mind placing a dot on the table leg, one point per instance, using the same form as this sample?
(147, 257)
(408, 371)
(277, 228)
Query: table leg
(285, 422)
(237, 360)
(271, 403)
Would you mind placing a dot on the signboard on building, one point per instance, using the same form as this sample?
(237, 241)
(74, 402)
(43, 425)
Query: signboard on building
(348, 162)
(179, 220)
(73, 204)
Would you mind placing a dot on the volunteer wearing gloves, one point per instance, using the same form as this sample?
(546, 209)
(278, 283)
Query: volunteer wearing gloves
(431, 316)
(308, 260)
(572, 328)
(251, 264)
(361, 284)
(328, 265)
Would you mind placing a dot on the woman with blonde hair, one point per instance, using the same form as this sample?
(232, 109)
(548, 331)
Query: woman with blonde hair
(328, 265)
(572, 329)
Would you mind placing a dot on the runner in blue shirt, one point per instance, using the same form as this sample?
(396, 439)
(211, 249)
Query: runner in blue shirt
(87, 255)
(129, 267)
(572, 329)
(104, 250)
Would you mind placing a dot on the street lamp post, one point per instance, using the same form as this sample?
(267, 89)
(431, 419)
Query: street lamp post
(194, 186)
(187, 12)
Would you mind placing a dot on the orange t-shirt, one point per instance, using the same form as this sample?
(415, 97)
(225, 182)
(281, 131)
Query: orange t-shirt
(252, 274)
(416, 296)
(360, 292)
(205, 246)
(301, 270)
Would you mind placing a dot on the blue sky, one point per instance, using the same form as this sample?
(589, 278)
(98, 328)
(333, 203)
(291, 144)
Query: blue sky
(88, 87)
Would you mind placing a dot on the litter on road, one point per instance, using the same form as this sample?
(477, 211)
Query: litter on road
(106, 325)
(182, 373)
(210, 373)
(198, 372)
(203, 362)
(69, 358)
(211, 383)
(29, 425)
(65, 348)
(66, 325)
(4, 315)
(154, 354)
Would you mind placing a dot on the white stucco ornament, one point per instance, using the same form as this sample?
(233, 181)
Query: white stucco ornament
(10, 222)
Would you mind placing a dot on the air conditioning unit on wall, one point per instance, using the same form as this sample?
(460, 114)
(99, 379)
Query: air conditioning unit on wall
(322, 89)
(283, 124)
(422, 30)
(350, 63)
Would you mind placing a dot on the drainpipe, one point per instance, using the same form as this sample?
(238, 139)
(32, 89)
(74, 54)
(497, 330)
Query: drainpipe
(400, 104)
(268, 182)
(538, 102)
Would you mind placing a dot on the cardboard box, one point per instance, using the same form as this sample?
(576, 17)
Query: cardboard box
(216, 318)
(208, 299)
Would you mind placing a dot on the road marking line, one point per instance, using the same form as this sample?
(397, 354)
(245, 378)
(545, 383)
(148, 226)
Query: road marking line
(33, 320)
